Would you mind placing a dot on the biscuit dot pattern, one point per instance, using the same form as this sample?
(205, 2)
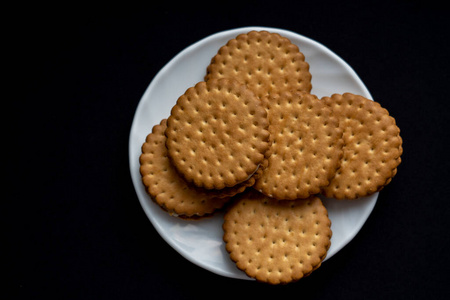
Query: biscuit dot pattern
(306, 146)
(165, 186)
(265, 62)
(217, 134)
(372, 147)
(277, 241)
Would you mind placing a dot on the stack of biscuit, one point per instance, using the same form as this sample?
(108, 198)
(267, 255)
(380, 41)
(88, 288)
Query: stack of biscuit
(252, 139)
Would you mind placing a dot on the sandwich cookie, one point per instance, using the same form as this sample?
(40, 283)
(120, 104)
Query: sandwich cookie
(217, 134)
(276, 241)
(372, 147)
(306, 146)
(266, 62)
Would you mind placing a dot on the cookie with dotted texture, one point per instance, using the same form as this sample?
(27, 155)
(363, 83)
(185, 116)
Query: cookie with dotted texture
(306, 146)
(266, 62)
(166, 187)
(372, 147)
(277, 242)
(217, 134)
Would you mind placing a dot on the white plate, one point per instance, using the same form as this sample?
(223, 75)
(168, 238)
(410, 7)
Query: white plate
(201, 241)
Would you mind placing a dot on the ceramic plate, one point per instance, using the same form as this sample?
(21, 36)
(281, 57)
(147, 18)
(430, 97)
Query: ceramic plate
(201, 241)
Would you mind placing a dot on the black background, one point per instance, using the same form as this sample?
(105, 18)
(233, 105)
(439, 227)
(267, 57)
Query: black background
(73, 226)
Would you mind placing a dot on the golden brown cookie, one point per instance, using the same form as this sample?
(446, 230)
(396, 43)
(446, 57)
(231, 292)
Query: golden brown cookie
(217, 134)
(306, 146)
(266, 62)
(165, 186)
(276, 241)
(372, 147)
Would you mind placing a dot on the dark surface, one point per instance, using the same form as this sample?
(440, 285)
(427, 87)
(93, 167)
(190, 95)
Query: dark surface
(73, 226)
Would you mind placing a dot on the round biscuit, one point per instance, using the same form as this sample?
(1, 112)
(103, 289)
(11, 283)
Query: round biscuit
(372, 147)
(266, 62)
(276, 241)
(306, 146)
(166, 187)
(217, 134)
